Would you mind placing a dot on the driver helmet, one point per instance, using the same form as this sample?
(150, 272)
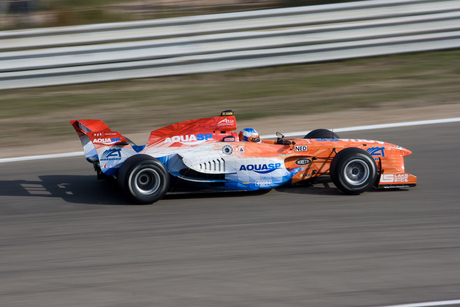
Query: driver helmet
(249, 135)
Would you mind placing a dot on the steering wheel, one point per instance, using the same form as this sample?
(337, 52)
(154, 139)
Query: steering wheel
(283, 142)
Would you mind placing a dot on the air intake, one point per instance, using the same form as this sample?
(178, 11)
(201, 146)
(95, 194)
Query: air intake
(213, 166)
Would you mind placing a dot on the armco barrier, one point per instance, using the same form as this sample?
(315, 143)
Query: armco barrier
(225, 41)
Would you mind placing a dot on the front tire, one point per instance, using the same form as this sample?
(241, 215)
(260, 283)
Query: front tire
(353, 171)
(143, 179)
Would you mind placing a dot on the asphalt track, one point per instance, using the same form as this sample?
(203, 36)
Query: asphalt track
(67, 239)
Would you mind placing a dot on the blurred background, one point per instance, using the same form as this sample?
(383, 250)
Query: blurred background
(17, 14)
(399, 60)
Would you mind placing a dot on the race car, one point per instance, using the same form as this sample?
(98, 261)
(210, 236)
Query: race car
(207, 154)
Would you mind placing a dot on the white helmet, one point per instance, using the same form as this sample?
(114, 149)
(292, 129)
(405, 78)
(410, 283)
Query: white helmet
(249, 135)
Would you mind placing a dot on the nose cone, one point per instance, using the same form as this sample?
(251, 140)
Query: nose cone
(405, 152)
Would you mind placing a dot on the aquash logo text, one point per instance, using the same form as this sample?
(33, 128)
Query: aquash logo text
(111, 154)
(189, 138)
(261, 168)
(106, 141)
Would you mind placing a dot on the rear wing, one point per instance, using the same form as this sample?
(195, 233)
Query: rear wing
(95, 131)
(103, 147)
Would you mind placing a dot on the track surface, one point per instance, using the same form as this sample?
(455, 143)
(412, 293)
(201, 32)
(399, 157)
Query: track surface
(70, 240)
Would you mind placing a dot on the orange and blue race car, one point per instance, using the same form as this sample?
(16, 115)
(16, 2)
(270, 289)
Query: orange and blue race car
(207, 154)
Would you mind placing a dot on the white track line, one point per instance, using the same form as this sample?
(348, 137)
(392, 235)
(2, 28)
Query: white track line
(28, 158)
(358, 128)
(428, 304)
(382, 126)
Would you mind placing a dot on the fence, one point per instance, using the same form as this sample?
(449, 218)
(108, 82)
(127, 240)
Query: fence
(218, 42)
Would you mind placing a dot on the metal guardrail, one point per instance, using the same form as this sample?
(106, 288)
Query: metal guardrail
(228, 41)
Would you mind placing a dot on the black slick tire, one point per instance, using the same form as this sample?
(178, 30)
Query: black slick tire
(321, 134)
(143, 179)
(353, 171)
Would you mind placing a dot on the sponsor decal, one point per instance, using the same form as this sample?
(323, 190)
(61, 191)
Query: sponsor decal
(105, 133)
(261, 168)
(376, 151)
(303, 161)
(111, 154)
(106, 141)
(227, 150)
(188, 138)
(392, 178)
(264, 183)
(226, 122)
(226, 113)
(396, 186)
(229, 139)
(301, 148)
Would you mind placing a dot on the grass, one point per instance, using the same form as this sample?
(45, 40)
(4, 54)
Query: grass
(145, 104)
(77, 4)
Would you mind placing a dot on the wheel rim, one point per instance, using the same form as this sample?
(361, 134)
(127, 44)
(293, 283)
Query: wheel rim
(356, 172)
(147, 181)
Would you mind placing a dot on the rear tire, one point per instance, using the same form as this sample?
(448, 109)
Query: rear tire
(353, 171)
(321, 134)
(143, 179)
